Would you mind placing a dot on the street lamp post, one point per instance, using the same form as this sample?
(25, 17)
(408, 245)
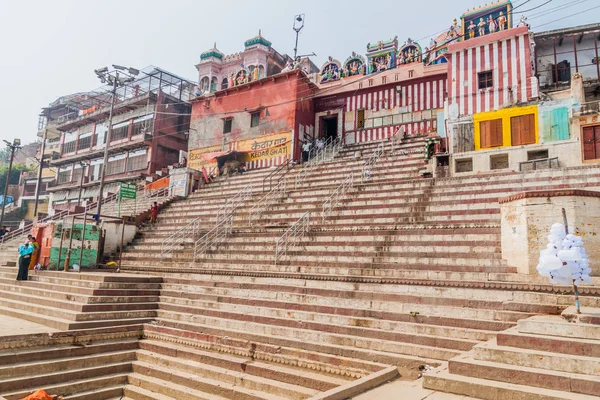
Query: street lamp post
(16, 144)
(121, 77)
(298, 25)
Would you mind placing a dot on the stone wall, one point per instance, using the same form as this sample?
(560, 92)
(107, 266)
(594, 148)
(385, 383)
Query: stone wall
(526, 219)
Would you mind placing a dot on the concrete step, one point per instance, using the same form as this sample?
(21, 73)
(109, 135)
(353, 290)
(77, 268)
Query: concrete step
(236, 378)
(491, 390)
(203, 384)
(466, 365)
(78, 380)
(280, 372)
(490, 351)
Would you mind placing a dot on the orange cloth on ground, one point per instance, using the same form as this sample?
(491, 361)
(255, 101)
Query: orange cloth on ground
(39, 395)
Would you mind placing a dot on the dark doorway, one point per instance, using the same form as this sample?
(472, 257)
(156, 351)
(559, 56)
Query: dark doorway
(329, 127)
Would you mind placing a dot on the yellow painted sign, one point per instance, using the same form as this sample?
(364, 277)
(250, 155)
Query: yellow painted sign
(196, 161)
(265, 147)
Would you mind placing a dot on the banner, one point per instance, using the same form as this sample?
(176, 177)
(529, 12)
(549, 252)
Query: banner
(265, 147)
(196, 161)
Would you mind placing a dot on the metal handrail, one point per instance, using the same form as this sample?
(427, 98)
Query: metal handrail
(170, 244)
(220, 231)
(370, 165)
(291, 236)
(267, 200)
(337, 195)
(234, 202)
(224, 222)
(275, 173)
(331, 148)
(27, 227)
(397, 137)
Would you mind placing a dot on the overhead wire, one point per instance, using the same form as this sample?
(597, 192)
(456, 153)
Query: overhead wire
(568, 16)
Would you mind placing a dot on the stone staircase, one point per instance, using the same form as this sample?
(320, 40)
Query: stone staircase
(543, 357)
(75, 301)
(406, 271)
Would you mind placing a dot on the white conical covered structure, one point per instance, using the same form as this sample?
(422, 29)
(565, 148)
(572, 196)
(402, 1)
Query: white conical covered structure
(564, 260)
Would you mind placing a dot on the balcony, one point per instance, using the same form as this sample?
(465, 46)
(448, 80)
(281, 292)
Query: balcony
(592, 107)
(73, 121)
(116, 146)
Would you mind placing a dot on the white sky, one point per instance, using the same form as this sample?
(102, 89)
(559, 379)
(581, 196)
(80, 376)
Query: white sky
(50, 48)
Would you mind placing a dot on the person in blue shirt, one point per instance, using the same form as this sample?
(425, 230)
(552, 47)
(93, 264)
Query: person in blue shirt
(25, 251)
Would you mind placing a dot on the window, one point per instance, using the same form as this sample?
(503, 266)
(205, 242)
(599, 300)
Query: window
(96, 169)
(85, 140)
(499, 161)
(64, 174)
(140, 127)
(360, 119)
(522, 130)
(490, 133)
(464, 165)
(537, 155)
(119, 132)
(227, 123)
(224, 83)
(383, 80)
(485, 79)
(116, 164)
(137, 160)
(370, 82)
(68, 147)
(411, 73)
(254, 119)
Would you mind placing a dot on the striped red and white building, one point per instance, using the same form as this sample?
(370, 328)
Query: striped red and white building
(507, 55)
(408, 96)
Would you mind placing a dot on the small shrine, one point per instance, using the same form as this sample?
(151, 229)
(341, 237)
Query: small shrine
(330, 71)
(354, 65)
(409, 53)
(487, 19)
(435, 53)
(381, 56)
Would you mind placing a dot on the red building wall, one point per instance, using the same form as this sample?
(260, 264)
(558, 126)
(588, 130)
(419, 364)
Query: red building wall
(279, 94)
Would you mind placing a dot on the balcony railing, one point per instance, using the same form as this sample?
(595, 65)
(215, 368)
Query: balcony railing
(592, 107)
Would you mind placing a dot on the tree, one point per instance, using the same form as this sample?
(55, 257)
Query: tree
(4, 155)
(15, 174)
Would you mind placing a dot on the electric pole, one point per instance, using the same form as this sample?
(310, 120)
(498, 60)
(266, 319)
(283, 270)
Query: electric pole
(39, 177)
(115, 81)
(13, 147)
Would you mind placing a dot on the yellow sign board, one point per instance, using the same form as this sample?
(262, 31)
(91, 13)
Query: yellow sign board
(258, 148)
(265, 147)
(196, 161)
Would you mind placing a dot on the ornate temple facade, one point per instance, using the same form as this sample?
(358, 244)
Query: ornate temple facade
(217, 71)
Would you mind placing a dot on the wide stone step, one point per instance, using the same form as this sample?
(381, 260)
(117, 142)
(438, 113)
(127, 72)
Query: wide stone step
(24, 369)
(491, 390)
(558, 362)
(319, 314)
(554, 344)
(466, 365)
(132, 392)
(280, 372)
(203, 384)
(66, 382)
(51, 353)
(236, 378)
(169, 388)
(407, 365)
(299, 332)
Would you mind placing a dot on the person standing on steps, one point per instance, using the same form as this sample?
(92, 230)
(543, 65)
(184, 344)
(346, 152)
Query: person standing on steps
(154, 213)
(306, 151)
(34, 256)
(25, 251)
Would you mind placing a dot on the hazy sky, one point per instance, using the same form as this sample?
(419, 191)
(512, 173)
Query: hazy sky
(49, 48)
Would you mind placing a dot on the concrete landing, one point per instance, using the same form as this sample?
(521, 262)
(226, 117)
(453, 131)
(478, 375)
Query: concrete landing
(10, 326)
(406, 390)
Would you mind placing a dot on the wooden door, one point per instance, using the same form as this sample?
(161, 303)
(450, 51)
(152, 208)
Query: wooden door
(591, 142)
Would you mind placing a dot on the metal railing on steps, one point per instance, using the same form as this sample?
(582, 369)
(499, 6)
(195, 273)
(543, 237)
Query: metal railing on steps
(224, 223)
(370, 165)
(291, 236)
(173, 242)
(274, 196)
(277, 174)
(330, 148)
(338, 195)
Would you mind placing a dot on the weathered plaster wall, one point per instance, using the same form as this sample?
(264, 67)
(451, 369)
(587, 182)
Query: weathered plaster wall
(526, 222)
